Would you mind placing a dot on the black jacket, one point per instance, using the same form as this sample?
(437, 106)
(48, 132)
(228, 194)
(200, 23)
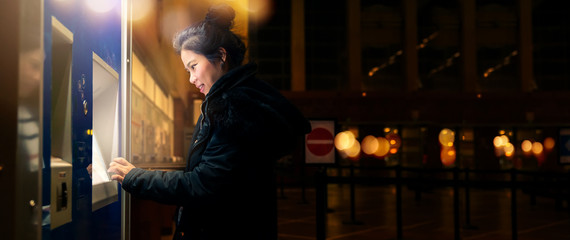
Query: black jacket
(227, 190)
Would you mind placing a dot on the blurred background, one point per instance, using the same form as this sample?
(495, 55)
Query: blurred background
(480, 85)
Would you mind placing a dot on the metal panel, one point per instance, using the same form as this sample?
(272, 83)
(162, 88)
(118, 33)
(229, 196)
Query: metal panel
(22, 68)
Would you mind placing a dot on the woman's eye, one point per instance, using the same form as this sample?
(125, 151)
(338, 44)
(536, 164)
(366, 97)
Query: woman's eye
(193, 66)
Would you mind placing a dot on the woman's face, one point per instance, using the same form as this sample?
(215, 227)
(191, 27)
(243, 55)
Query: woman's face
(203, 73)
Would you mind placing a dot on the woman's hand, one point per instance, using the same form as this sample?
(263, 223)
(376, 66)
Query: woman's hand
(120, 167)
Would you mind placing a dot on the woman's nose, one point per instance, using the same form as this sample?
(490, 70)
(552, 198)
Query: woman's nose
(192, 79)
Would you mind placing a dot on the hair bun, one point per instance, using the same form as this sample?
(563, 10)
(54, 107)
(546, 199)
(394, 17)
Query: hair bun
(221, 16)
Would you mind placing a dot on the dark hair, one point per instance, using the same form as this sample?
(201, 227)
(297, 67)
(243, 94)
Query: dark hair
(209, 35)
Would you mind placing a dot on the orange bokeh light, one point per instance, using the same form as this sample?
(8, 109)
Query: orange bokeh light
(383, 147)
(549, 143)
(526, 146)
(344, 140)
(370, 145)
(537, 148)
(447, 156)
(395, 140)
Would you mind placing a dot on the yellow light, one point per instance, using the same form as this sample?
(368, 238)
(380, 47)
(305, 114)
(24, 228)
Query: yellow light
(363, 94)
(387, 130)
(354, 131)
(370, 145)
(549, 143)
(260, 11)
(509, 149)
(446, 137)
(505, 139)
(502, 132)
(526, 146)
(354, 150)
(500, 141)
(537, 148)
(344, 140)
(393, 150)
(101, 6)
(392, 142)
(383, 147)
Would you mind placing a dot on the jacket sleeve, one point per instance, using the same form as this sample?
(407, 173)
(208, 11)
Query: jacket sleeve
(223, 156)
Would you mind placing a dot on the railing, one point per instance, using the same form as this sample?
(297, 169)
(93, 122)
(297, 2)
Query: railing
(532, 181)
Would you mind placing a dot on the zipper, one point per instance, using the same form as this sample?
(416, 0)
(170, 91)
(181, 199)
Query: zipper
(200, 140)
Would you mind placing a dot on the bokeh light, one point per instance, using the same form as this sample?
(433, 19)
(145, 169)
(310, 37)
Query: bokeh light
(500, 141)
(505, 139)
(537, 148)
(394, 140)
(393, 150)
(509, 149)
(344, 140)
(370, 145)
(447, 156)
(260, 11)
(446, 137)
(383, 147)
(526, 146)
(549, 143)
(353, 151)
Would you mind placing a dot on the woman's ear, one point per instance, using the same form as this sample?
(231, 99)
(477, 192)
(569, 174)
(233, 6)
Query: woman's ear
(223, 54)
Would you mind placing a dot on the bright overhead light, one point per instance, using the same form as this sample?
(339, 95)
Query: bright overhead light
(101, 6)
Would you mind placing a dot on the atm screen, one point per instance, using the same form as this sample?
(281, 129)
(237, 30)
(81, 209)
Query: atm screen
(105, 131)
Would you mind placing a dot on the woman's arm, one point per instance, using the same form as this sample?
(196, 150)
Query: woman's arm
(214, 175)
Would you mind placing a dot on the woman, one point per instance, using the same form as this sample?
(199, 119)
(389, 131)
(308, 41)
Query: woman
(227, 190)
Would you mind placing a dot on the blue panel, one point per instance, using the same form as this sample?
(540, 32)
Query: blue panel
(92, 32)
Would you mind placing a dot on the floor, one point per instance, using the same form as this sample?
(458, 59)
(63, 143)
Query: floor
(430, 217)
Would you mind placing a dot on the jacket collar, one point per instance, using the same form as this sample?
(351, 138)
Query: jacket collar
(232, 78)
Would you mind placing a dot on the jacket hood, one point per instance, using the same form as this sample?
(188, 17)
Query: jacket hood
(239, 96)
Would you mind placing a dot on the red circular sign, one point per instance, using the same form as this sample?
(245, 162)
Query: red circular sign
(320, 142)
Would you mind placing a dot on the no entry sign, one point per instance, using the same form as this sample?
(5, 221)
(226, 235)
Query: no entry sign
(319, 143)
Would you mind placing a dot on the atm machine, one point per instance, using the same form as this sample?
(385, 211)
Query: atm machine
(66, 114)
(85, 113)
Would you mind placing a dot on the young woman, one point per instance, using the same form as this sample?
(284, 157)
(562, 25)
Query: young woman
(227, 190)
